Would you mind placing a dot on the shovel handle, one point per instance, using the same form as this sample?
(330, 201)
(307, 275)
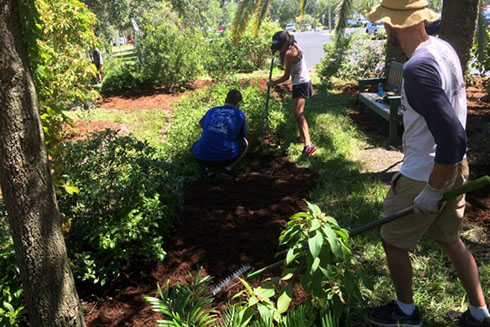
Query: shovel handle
(469, 187)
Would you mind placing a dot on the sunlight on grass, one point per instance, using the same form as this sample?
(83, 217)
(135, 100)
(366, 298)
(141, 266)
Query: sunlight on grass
(148, 125)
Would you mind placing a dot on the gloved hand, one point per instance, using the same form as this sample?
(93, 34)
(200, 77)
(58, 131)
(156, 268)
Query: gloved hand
(428, 200)
(270, 83)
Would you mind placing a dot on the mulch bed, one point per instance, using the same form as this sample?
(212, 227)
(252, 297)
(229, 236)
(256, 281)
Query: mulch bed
(226, 222)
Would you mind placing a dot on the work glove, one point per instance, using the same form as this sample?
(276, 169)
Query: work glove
(270, 83)
(428, 200)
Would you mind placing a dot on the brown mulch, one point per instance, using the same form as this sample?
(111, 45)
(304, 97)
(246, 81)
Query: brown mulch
(158, 99)
(227, 221)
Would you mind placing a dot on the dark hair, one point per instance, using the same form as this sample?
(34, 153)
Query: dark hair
(279, 39)
(234, 97)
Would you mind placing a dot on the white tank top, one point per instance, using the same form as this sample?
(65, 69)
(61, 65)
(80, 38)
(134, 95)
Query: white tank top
(299, 72)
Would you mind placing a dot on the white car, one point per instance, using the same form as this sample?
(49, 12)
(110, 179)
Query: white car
(290, 27)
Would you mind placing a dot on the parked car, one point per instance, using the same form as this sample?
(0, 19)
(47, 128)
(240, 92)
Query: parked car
(352, 23)
(364, 22)
(373, 28)
(290, 27)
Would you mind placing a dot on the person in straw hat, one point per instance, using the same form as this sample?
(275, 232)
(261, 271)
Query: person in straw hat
(434, 141)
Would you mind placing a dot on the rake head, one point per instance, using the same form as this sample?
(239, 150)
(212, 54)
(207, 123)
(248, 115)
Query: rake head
(242, 270)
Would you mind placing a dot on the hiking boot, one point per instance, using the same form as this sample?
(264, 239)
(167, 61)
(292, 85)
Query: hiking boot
(308, 150)
(390, 315)
(467, 320)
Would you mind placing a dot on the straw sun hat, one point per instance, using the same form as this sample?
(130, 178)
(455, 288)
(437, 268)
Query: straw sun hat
(402, 13)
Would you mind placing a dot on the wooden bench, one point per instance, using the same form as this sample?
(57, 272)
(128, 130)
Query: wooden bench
(390, 107)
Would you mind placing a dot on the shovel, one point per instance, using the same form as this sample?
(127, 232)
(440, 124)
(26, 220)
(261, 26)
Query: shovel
(467, 188)
(267, 101)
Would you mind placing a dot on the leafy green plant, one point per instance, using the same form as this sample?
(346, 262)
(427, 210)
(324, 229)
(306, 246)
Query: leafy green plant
(185, 305)
(125, 206)
(319, 257)
(60, 66)
(122, 77)
(169, 56)
(12, 310)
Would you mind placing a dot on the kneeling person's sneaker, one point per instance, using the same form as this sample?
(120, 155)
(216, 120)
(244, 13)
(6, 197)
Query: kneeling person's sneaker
(308, 150)
(390, 315)
(467, 320)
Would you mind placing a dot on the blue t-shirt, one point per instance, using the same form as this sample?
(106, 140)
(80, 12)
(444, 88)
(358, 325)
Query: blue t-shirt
(221, 128)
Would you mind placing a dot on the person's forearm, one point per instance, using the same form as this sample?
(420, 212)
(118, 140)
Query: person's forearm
(280, 80)
(440, 174)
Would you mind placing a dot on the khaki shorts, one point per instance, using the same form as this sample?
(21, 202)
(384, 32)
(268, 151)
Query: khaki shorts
(444, 226)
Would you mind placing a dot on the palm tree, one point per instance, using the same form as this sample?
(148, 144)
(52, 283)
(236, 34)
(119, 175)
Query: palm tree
(258, 8)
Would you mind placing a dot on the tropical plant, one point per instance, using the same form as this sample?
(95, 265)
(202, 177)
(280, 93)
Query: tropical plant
(185, 305)
(319, 257)
(257, 9)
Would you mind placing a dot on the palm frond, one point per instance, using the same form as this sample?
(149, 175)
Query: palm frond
(262, 10)
(342, 12)
(245, 11)
(481, 36)
(302, 7)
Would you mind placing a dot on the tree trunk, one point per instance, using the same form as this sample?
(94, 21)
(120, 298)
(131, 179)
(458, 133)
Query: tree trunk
(393, 53)
(458, 27)
(49, 288)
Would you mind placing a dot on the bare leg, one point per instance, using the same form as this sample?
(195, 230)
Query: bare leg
(240, 157)
(299, 115)
(465, 266)
(401, 272)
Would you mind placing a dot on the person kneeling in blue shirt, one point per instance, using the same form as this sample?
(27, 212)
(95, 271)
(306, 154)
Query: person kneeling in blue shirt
(223, 142)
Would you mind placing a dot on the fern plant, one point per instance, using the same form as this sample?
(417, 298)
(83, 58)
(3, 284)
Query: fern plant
(185, 305)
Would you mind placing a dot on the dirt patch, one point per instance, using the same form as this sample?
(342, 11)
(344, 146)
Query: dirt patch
(83, 128)
(227, 221)
(158, 99)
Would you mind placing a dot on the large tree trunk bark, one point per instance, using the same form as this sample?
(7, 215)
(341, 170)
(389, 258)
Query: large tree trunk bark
(49, 288)
(458, 27)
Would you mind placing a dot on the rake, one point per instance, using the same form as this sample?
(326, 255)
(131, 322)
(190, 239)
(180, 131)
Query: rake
(467, 188)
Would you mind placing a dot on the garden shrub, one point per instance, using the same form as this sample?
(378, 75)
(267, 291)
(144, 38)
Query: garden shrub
(122, 77)
(352, 57)
(168, 56)
(124, 207)
(224, 57)
(12, 310)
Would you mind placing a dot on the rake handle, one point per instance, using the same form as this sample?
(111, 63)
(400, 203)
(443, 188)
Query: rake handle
(467, 188)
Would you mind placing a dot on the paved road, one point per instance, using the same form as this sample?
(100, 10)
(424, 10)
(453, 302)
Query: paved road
(312, 45)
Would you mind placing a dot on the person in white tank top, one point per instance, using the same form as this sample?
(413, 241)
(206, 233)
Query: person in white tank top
(294, 64)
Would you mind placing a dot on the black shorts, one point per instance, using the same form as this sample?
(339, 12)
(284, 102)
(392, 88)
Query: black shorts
(302, 91)
(242, 146)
